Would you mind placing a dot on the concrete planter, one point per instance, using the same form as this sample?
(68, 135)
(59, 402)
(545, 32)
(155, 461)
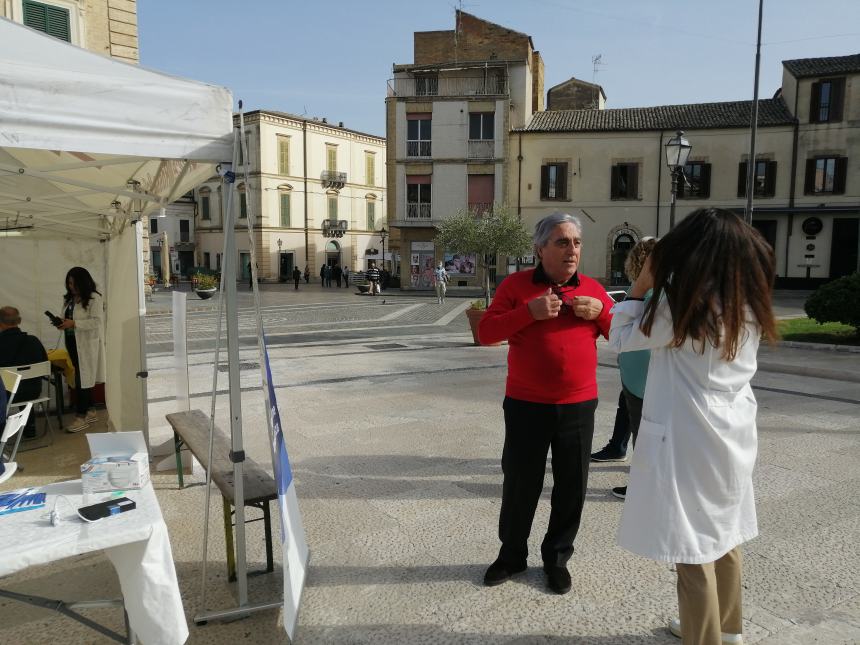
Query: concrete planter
(474, 316)
(205, 294)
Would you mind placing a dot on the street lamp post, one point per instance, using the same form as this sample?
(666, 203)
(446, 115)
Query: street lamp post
(382, 235)
(677, 153)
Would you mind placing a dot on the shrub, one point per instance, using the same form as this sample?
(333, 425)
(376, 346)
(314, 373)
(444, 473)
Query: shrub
(205, 281)
(479, 305)
(837, 301)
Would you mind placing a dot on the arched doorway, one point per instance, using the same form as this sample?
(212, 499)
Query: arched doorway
(621, 245)
(332, 253)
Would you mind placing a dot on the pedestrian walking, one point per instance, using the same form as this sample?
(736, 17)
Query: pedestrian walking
(346, 277)
(372, 275)
(327, 275)
(297, 276)
(322, 275)
(336, 273)
(307, 274)
(690, 500)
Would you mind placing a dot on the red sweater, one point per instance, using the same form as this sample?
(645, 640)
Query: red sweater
(549, 361)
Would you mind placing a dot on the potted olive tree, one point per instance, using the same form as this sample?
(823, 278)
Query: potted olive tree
(488, 234)
(205, 285)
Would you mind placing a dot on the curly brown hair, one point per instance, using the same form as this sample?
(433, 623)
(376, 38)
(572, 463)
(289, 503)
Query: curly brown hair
(637, 256)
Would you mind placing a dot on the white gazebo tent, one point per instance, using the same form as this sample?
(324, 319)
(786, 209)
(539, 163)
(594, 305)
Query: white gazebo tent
(87, 146)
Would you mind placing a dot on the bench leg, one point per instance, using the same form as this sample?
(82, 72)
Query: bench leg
(177, 444)
(228, 539)
(267, 523)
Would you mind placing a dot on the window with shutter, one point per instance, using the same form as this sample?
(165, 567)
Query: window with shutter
(371, 216)
(553, 181)
(825, 175)
(332, 207)
(283, 156)
(47, 18)
(204, 207)
(370, 169)
(698, 181)
(331, 158)
(764, 178)
(243, 205)
(742, 179)
(826, 99)
(285, 210)
(625, 181)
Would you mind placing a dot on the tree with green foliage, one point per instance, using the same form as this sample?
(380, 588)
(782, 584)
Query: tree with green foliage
(487, 235)
(837, 301)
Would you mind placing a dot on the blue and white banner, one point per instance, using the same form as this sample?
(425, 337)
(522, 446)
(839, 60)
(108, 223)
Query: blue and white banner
(293, 543)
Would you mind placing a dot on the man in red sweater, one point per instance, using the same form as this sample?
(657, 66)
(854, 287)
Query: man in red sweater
(551, 317)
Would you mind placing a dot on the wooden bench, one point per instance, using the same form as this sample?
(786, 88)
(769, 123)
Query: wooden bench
(191, 429)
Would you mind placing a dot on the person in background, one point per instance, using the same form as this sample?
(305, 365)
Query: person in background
(322, 275)
(83, 316)
(551, 316)
(616, 448)
(17, 347)
(440, 279)
(327, 275)
(633, 366)
(307, 274)
(372, 274)
(690, 500)
(346, 277)
(337, 274)
(297, 276)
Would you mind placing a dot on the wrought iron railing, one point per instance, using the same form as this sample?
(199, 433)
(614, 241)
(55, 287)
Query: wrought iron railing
(418, 148)
(418, 211)
(492, 84)
(482, 148)
(333, 179)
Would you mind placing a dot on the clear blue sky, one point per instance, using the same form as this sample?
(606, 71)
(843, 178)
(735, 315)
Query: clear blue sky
(332, 59)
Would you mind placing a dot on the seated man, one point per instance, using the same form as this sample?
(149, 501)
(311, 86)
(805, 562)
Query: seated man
(20, 348)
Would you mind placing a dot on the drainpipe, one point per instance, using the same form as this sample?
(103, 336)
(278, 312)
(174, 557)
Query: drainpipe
(793, 183)
(305, 174)
(659, 179)
(520, 177)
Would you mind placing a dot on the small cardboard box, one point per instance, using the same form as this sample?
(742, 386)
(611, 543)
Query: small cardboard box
(119, 461)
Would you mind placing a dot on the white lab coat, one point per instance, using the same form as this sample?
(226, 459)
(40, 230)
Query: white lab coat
(690, 494)
(90, 339)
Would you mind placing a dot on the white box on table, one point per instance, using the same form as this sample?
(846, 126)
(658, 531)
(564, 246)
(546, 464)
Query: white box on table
(120, 461)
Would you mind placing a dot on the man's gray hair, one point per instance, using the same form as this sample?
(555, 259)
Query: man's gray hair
(10, 316)
(545, 227)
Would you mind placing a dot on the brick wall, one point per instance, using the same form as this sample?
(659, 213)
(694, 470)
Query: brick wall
(573, 95)
(473, 39)
(537, 82)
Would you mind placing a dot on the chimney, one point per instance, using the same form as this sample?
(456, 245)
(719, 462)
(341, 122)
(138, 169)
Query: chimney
(325, 120)
(340, 124)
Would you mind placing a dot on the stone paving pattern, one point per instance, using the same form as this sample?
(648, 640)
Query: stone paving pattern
(395, 439)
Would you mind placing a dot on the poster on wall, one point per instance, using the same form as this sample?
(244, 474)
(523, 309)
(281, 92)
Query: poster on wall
(414, 260)
(463, 264)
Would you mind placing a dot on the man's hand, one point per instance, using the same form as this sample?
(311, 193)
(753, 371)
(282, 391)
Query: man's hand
(68, 323)
(545, 307)
(586, 307)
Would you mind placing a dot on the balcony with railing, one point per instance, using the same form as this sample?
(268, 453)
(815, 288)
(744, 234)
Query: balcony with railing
(491, 85)
(418, 212)
(418, 148)
(333, 179)
(482, 148)
(481, 208)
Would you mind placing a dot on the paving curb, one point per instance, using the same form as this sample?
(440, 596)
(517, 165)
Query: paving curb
(804, 370)
(824, 347)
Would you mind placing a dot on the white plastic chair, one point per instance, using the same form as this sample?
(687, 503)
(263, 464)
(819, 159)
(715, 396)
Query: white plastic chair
(27, 373)
(14, 425)
(11, 380)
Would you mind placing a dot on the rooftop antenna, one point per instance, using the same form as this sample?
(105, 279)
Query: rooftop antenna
(597, 63)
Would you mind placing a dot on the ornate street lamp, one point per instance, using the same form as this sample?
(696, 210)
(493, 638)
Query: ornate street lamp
(382, 235)
(677, 153)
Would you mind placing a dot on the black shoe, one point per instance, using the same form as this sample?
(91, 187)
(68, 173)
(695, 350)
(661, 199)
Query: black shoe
(557, 579)
(500, 571)
(620, 492)
(607, 454)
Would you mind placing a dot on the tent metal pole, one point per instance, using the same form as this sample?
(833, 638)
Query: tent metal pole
(143, 374)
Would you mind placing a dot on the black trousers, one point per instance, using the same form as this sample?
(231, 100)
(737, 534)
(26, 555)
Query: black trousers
(634, 411)
(531, 429)
(83, 396)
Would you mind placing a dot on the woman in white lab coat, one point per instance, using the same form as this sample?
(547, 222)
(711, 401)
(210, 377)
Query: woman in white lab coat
(690, 499)
(83, 314)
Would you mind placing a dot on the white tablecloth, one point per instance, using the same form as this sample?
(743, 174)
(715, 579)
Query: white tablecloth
(136, 542)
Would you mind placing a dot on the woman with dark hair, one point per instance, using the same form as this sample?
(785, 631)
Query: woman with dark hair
(690, 500)
(84, 336)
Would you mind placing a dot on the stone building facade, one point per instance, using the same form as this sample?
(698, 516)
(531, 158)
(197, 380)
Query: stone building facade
(307, 177)
(448, 117)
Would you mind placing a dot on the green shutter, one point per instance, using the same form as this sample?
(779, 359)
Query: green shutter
(54, 21)
(371, 216)
(285, 210)
(283, 156)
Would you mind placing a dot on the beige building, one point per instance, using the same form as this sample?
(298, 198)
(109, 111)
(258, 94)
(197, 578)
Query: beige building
(106, 27)
(448, 117)
(611, 164)
(316, 189)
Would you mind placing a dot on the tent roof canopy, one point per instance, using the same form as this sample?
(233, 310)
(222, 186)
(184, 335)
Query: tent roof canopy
(87, 142)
